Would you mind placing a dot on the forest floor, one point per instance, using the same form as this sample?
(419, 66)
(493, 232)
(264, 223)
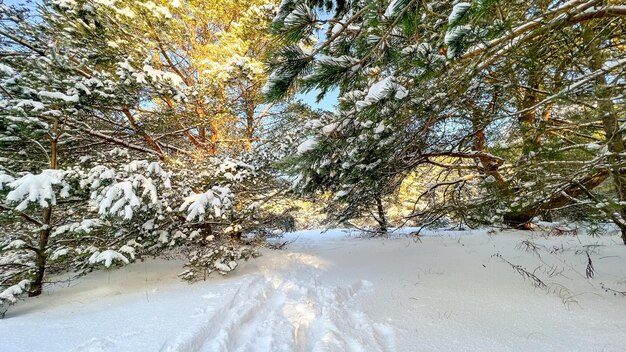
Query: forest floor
(333, 291)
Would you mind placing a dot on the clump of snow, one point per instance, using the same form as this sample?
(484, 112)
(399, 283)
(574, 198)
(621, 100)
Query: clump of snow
(34, 105)
(380, 90)
(4, 179)
(299, 12)
(307, 145)
(107, 257)
(7, 70)
(458, 11)
(15, 244)
(453, 35)
(123, 194)
(85, 226)
(128, 250)
(13, 292)
(330, 128)
(391, 9)
(59, 96)
(59, 253)
(380, 128)
(37, 189)
(217, 198)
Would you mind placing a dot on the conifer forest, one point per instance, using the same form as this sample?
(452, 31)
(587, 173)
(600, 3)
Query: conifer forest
(312, 175)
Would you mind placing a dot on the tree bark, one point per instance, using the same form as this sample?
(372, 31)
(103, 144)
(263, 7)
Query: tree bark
(381, 219)
(214, 138)
(249, 129)
(36, 286)
(521, 219)
(147, 137)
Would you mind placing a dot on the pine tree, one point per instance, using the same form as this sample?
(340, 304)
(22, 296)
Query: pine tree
(121, 135)
(509, 108)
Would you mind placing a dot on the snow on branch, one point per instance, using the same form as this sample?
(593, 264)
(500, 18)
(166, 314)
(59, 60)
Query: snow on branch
(126, 189)
(37, 189)
(74, 98)
(218, 198)
(571, 12)
(124, 196)
(12, 293)
(307, 145)
(4, 179)
(381, 90)
(458, 11)
(107, 257)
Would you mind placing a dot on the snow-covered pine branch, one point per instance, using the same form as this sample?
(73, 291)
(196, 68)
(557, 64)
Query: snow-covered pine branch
(217, 200)
(10, 295)
(40, 189)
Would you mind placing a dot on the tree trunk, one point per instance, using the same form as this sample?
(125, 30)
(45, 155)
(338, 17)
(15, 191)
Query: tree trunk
(214, 138)
(148, 138)
(249, 130)
(36, 286)
(381, 219)
(521, 219)
(490, 166)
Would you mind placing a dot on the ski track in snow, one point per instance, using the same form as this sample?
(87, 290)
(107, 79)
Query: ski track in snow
(447, 293)
(284, 312)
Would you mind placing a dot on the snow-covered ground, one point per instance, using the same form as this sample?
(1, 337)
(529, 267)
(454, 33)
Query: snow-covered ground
(334, 292)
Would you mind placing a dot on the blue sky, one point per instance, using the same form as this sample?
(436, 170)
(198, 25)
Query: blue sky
(328, 103)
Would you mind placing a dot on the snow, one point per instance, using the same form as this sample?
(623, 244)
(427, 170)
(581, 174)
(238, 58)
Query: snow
(85, 226)
(59, 253)
(7, 70)
(458, 11)
(217, 198)
(380, 90)
(332, 291)
(390, 11)
(422, 49)
(158, 75)
(380, 128)
(59, 96)
(307, 145)
(36, 189)
(330, 128)
(4, 179)
(35, 105)
(128, 250)
(124, 196)
(454, 34)
(107, 257)
(15, 244)
(338, 27)
(295, 17)
(126, 11)
(11, 293)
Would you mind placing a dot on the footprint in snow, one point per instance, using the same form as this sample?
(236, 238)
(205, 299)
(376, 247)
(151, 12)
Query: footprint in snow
(288, 313)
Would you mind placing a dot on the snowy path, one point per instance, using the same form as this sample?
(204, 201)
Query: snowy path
(290, 311)
(332, 292)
